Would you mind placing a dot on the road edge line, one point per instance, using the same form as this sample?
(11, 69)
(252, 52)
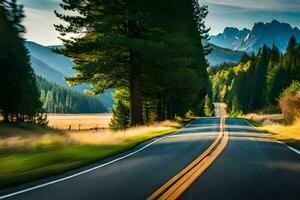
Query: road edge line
(278, 141)
(93, 168)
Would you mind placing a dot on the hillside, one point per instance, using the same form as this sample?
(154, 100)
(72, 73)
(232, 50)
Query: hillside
(54, 68)
(220, 55)
(58, 99)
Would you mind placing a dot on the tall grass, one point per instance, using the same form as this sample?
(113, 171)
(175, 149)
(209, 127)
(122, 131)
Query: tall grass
(29, 154)
(274, 124)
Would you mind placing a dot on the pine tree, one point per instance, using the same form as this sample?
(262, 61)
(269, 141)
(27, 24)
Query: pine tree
(120, 110)
(21, 99)
(132, 43)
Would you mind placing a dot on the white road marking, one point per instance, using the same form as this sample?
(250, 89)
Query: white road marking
(93, 168)
(291, 148)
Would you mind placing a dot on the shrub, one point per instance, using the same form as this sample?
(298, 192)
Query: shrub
(290, 102)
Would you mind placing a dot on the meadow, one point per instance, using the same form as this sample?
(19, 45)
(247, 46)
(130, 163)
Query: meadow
(30, 152)
(79, 121)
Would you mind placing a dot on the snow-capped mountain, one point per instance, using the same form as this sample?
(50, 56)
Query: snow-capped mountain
(271, 33)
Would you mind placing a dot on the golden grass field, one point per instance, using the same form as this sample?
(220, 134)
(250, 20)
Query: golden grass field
(274, 124)
(16, 138)
(79, 121)
(29, 152)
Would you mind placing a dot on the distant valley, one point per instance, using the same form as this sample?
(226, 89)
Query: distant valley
(54, 68)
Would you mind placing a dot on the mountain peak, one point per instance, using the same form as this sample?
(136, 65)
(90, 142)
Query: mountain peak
(275, 32)
(275, 21)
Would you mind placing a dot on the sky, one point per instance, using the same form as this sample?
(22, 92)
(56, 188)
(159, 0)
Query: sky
(222, 13)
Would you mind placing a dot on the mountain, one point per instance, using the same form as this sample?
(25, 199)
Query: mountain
(54, 68)
(56, 61)
(220, 55)
(230, 38)
(246, 40)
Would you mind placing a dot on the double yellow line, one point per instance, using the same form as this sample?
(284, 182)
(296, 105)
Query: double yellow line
(184, 179)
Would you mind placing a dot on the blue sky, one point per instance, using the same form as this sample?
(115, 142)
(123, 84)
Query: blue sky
(234, 13)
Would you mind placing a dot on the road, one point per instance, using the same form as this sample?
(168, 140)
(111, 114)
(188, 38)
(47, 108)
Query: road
(211, 158)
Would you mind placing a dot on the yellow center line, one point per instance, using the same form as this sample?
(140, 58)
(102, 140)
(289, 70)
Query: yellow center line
(183, 180)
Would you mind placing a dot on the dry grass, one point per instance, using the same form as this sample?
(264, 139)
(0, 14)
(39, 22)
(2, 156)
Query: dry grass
(265, 119)
(79, 121)
(285, 131)
(273, 124)
(31, 153)
(26, 139)
(107, 136)
(14, 138)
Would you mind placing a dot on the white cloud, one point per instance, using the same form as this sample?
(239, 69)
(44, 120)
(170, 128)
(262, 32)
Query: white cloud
(39, 26)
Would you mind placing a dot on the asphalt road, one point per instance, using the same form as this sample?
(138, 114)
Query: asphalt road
(252, 166)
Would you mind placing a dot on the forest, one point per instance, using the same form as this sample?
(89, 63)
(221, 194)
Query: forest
(151, 53)
(57, 99)
(260, 82)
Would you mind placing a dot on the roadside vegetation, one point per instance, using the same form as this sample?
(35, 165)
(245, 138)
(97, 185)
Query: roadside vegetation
(274, 125)
(260, 82)
(29, 152)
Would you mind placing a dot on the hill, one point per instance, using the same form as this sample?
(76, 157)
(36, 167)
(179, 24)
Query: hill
(58, 99)
(220, 55)
(54, 68)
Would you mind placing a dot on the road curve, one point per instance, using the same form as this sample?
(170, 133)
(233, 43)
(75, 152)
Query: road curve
(135, 177)
(251, 165)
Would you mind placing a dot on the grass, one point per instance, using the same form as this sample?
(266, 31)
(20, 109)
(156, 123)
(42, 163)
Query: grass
(289, 134)
(27, 155)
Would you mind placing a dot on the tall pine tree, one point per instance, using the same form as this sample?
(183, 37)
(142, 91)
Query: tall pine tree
(20, 99)
(144, 46)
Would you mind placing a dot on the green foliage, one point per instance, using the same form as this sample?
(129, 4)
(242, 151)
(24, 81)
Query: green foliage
(20, 95)
(120, 110)
(258, 81)
(152, 48)
(235, 110)
(292, 89)
(208, 107)
(57, 99)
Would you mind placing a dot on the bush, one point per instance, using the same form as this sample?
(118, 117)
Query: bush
(290, 106)
(292, 89)
(290, 102)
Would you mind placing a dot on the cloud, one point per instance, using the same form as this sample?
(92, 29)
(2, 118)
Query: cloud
(271, 5)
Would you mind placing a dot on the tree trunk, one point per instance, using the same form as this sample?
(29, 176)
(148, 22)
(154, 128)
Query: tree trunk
(136, 113)
(159, 107)
(6, 117)
(136, 110)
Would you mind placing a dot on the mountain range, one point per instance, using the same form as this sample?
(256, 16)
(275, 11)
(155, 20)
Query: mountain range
(247, 40)
(54, 68)
(226, 47)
